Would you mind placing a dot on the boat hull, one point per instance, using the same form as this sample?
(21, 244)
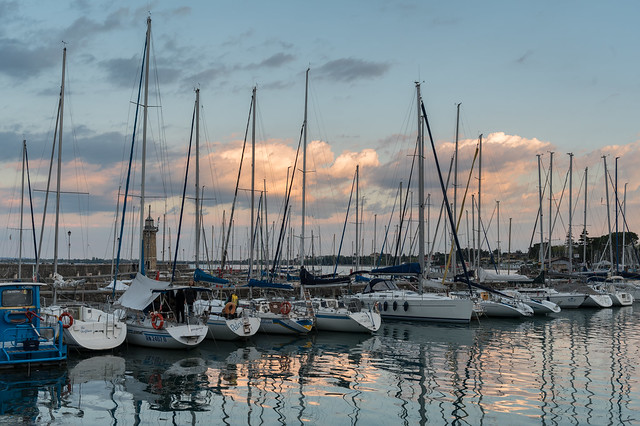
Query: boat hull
(89, 328)
(401, 305)
(492, 308)
(221, 328)
(282, 324)
(597, 301)
(366, 321)
(173, 336)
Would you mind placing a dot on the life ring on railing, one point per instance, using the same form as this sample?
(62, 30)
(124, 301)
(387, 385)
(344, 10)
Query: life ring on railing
(229, 309)
(66, 324)
(484, 295)
(157, 320)
(285, 308)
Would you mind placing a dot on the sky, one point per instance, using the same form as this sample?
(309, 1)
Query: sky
(531, 78)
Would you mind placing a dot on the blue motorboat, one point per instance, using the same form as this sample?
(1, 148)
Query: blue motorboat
(24, 337)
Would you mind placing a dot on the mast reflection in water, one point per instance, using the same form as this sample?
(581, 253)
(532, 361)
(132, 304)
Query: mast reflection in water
(575, 367)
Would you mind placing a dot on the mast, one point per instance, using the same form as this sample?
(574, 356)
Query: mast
(550, 205)
(584, 229)
(357, 221)
(479, 201)
(197, 203)
(24, 159)
(570, 214)
(498, 225)
(143, 160)
(304, 167)
(624, 221)
(115, 235)
(59, 172)
(253, 181)
(615, 198)
(541, 248)
(455, 186)
(420, 190)
(606, 187)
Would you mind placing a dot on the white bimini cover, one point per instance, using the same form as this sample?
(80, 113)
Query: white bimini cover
(141, 292)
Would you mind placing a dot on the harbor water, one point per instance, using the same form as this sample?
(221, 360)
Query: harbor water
(575, 367)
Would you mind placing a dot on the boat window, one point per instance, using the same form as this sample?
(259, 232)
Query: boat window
(17, 297)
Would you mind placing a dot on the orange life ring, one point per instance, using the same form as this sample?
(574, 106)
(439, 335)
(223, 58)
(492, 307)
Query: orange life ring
(157, 320)
(285, 308)
(66, 315)
(229, 309)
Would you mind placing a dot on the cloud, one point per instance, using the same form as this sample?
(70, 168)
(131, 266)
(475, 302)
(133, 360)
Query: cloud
(21, 61)
(350, 69)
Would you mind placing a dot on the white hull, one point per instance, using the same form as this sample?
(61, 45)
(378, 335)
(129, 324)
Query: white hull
(621, 298)
(542, 307)
(220, 327)
(563, 300)
(275, 318)
(282, 324)
(597, 301)
(171, 336)
(492, 308)
(409, 305)
(90, 328)
(366, 321)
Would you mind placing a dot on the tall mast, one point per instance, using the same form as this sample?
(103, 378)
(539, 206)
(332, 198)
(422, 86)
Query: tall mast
(624, 222)
(570, 214)
(455, 186)
(55, 238)
(584, 229)
(498, 226)
(541, 249)
(550, 205)
(606, 186)
(479, 201)
(420, 190)
(24, 159)
(198, 218)
(615, 198)
(143, 160)
(357, 217)
(253, 182)
(304, 167)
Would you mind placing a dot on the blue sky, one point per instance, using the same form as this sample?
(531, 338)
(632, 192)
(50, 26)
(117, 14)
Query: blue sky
(561, 74)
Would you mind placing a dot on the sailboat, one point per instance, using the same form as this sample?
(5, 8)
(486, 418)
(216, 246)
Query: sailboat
(277, 314)
(85, 327)
(396, 303)
(225, 320)
(150, 320)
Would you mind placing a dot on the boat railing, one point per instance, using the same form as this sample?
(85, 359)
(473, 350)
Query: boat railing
(22, 342)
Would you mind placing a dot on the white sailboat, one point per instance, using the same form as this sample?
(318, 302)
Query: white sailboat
(395, 303)
(85, 327)
(150, 323)
(225, 321)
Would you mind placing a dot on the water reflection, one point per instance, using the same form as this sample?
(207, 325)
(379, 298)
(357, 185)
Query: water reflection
(578, 367)
(27, 399)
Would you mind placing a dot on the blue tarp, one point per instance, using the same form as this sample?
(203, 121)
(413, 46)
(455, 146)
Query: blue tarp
(405, 268)
(200, 275)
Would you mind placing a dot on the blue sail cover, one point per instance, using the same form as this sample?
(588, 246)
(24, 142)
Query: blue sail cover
(405, 268)
(200, 275)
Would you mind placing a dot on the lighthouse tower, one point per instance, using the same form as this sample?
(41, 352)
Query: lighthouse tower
(149, 241)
